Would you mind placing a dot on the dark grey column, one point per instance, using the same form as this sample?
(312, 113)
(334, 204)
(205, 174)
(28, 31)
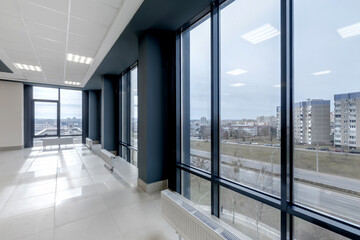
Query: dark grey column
(156, 51)
(94, 115)
(28, 116)
(85, 115)
(108, 132)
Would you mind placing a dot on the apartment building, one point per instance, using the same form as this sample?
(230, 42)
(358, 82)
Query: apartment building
(347, 119)
(311, 122)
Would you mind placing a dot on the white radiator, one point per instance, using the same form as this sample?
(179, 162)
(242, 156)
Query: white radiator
(107, 157)
(189, 222)
(89, 143)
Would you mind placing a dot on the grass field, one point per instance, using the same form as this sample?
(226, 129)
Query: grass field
(341, 164)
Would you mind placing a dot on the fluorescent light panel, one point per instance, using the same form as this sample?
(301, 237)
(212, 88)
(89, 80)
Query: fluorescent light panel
(236, 72)
(72, 83)
(261, 34)
(322, 73)
(79, 59)
(349, 31)
(27, 67)
(238, 84)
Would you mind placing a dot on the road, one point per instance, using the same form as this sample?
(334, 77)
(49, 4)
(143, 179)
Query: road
(311, 176)
(329, 201)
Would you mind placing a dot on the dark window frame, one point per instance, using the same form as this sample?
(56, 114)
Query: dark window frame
(285, 202)
(127, 143)
(58, 120)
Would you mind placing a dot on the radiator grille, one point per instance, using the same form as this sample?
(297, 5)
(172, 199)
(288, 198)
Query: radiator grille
(189, 222)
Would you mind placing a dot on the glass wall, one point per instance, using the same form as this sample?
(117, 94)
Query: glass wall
(57, 112)
(70, 112)
(268, 102)
(196, 86)
(327, 106)
(250, 93)
(128, 115)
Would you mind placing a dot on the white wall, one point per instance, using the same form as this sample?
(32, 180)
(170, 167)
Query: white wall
(11, 114)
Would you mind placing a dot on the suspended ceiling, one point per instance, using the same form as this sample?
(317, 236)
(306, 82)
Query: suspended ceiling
(40, 33)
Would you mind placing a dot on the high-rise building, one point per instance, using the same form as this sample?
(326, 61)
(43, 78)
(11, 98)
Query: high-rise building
(347, 119)
(311, 122)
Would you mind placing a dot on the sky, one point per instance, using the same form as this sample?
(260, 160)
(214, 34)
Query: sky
(70, 103)
(318, 47)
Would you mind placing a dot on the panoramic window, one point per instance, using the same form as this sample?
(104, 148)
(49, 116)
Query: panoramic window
(250, 93)
(134, 115)
(196, 86)
(57, 112)
(326, 106)
(128, 115)
(70, 112)
(281, 157)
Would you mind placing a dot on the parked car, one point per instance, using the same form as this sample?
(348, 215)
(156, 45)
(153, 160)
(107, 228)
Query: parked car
(310, 148)
(268, 145)
(276, 145)
(339, 150)
(354, 152)
(324, 149)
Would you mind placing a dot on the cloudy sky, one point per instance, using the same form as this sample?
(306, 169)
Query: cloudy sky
(318, 48)
(70, 103)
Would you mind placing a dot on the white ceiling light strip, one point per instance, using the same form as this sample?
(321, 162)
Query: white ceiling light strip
(79, 59)
(27, 67)
(349, 31)
(72, 83)
(261, 34)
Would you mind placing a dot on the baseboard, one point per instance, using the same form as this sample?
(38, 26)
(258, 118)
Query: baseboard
(11, 148)
(152, 187)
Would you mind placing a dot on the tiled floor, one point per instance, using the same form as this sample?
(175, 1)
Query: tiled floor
(68, 194)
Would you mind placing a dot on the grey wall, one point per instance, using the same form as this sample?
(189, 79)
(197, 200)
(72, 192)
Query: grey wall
(108, 132)
(154, 76)
(94, 114)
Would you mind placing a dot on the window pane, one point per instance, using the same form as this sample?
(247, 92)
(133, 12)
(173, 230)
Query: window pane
(196, 189)
(70, 112)
(124, 109)
(134, 107)
(254, 219)
(196, 89)
(250, 93)
(308, 231)
(45, 118)
(326, 109)
(45, 93)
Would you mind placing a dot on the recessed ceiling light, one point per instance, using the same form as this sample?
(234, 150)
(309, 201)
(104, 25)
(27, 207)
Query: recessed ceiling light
(238, 84)
(72, 83)
(322, 72)
(261, 34)
(27, 67)
(79, 59)
(277, 85)
(349, 31)
(236, 72)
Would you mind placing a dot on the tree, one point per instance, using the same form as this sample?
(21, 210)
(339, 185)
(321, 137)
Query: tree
(237, 165)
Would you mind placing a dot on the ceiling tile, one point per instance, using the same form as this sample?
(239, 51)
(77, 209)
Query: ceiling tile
(45, 16)
(10, 35)
(111, 3)
(42, 31)
(14, 46)
(48, 44)
(12, 23)
(8, 7)
(84, 41)
(81, 50)
(94, 11)
(86, 28)
(56, 5)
